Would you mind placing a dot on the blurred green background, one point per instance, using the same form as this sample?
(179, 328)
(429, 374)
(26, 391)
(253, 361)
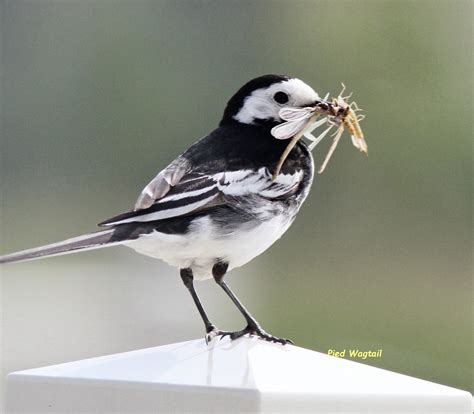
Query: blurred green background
(99, 95)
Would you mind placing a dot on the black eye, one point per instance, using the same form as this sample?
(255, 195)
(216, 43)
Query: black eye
(281, 97)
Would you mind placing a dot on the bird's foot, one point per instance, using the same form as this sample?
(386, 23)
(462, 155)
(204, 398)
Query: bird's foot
(259, 332)
(251, 330)
(213, 332)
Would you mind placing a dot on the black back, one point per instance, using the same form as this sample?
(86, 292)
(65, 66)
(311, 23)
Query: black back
(239, 146)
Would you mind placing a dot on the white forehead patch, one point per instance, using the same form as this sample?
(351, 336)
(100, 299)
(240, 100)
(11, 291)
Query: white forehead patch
(261, 105)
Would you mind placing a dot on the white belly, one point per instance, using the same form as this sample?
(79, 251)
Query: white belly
(203, 245)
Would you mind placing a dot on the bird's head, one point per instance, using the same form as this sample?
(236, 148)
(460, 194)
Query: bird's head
(259, 101)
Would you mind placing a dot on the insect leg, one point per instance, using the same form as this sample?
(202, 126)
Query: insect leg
(332, 148)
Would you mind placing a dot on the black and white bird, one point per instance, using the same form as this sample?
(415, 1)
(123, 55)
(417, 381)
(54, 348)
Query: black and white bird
(217, 205)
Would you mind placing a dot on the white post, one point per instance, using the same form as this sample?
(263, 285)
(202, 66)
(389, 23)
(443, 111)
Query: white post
(246, 375)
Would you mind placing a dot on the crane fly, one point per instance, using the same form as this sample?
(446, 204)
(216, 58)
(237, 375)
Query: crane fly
(300, 122)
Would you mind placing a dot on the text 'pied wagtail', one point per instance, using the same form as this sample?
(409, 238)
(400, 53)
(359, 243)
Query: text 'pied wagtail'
(226, 199)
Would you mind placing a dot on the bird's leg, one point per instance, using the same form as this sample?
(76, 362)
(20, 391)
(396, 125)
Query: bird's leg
(187, 277)
(211, 330)
(253, 327)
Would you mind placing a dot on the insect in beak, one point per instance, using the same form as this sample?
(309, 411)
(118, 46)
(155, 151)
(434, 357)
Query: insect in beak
(307, 125)
(302, 121)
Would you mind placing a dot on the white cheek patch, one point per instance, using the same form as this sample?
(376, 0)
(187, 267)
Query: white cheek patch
(261, 105)
(257, 106)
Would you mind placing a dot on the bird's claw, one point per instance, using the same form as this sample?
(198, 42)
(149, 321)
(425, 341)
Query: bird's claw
(250, 330)
(270, 338)
(213, 333)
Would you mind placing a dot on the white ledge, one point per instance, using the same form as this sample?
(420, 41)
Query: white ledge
(247, 375)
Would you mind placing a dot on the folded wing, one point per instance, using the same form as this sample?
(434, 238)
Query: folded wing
(196, 192)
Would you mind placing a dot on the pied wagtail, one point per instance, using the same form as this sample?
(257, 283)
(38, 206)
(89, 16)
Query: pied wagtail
(218, 205)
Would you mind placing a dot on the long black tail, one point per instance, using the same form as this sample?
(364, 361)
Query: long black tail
(85, 242)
